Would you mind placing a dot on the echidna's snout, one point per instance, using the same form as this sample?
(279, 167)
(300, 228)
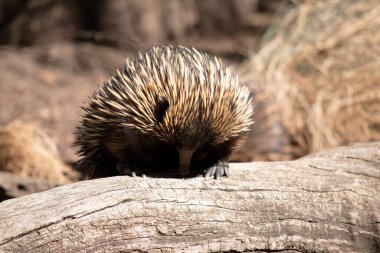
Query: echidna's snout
(185, 156)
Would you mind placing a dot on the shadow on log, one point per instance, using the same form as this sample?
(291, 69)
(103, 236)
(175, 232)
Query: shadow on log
(326, 202)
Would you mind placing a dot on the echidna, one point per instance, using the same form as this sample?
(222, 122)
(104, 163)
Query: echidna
(170, 110)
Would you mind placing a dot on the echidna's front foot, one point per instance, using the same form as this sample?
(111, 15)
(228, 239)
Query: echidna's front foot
(131, 169)
(221, 168)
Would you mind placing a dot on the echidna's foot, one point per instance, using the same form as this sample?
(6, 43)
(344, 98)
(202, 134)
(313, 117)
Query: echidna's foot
(131, 169)
(221, 168)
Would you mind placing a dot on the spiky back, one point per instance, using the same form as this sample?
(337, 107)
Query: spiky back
(171, 93)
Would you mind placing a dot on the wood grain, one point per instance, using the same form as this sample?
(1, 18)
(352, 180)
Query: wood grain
(326, 202)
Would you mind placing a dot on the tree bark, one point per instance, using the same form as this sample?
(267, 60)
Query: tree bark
(326, 202)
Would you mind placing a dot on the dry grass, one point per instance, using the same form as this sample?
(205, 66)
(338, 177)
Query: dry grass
(322, 65)
(26, 150)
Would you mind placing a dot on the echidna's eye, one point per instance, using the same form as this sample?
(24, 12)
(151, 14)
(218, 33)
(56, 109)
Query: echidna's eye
(202, 155)
(160, 109)
(199, 155)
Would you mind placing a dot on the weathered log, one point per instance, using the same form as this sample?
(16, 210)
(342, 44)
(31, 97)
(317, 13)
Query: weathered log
(327, 202)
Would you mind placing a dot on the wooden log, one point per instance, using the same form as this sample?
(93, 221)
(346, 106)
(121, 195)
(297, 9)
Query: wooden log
(327, 202)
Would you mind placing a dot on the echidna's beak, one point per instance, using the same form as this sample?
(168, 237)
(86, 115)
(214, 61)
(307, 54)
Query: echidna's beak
(184, 161)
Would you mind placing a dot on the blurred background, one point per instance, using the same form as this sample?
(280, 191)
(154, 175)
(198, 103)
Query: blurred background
(55, 53)
(312, 66)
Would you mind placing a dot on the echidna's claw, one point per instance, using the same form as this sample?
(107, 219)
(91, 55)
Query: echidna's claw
(133, 170)
(220, 169)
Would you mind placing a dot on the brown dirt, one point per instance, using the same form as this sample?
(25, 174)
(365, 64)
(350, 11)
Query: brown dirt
(48, 85)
